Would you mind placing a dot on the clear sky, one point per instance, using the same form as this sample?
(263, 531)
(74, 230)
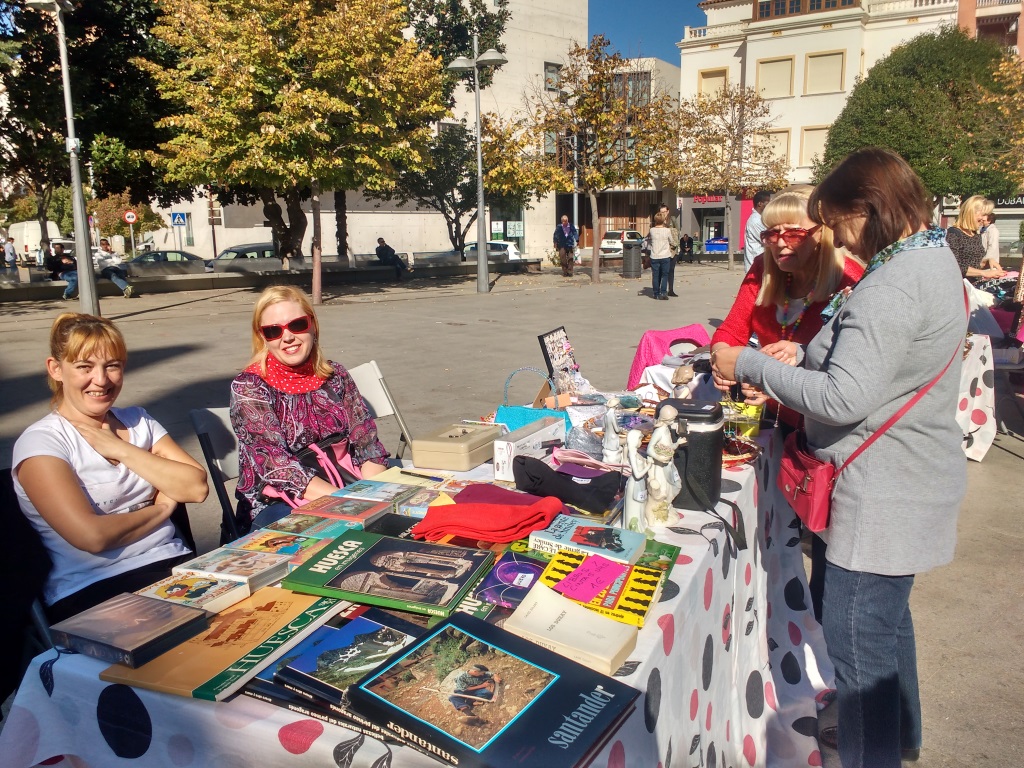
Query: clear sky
(645, 27)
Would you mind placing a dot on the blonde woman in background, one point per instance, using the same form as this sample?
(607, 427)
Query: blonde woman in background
(965, 240)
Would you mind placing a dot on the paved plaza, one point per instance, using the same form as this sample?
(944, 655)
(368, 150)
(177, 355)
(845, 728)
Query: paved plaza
(446, 352)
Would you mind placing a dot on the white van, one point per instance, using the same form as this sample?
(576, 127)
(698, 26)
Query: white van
(26, 236)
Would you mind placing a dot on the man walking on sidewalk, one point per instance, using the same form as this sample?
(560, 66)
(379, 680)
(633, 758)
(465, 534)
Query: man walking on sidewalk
(565, 239)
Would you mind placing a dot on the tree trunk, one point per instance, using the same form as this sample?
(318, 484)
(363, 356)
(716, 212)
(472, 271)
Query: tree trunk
(728, 231)
(341, 223)
(296, 221)
(316, 247)
(595, 259)
(272, 210)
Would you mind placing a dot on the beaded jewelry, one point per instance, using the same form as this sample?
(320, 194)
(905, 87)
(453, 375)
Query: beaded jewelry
(787, 331)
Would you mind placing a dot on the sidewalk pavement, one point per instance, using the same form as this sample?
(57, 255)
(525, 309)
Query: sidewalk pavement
(446, 352)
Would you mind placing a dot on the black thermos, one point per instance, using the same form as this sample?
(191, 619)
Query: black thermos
(699, 461)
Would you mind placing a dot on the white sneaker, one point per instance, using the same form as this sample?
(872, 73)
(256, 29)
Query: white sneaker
(129, 291)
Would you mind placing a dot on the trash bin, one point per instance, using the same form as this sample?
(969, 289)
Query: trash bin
(631, 260)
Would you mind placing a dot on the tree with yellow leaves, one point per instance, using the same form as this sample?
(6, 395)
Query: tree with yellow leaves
(718, 143)
(285, 96)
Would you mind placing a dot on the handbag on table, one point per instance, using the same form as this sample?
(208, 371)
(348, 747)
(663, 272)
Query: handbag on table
(516, 416)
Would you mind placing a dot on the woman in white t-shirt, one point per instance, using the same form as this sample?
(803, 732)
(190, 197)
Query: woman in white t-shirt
(99, 483)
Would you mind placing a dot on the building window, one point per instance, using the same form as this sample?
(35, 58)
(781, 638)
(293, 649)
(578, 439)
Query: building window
(552, 76)
(812, 144)
(814, 5)
(550, 143)
(825, 72)
(711, 81)
(445, 125)
(190, 238)
(780, 7)
(775, 78)
(794, 7)
(845, 3)
(831, 4)
(216, 212)
(778, 141)
(764, 10)
(633, 87)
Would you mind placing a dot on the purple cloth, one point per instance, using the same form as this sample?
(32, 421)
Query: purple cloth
(482, 493)
(272, 426)
(577, 470)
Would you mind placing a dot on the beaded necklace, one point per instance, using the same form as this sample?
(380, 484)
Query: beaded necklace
(787, 332)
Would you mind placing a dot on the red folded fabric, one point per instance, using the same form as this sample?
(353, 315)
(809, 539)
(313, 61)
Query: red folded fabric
(500, 523)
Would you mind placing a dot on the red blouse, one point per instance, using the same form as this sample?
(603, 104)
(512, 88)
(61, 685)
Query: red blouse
(747, 318)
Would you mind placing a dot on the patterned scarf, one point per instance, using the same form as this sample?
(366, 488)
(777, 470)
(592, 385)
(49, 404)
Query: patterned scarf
(293, 380)
(933, 237)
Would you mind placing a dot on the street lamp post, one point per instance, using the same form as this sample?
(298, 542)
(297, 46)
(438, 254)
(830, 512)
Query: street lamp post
(489, 58)
(83, 252)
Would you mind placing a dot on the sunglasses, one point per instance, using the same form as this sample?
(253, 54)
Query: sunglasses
(791, 237)
(298, 325)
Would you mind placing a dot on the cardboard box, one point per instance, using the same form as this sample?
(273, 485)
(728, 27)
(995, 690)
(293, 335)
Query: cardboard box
(526, 441)
(457, 448)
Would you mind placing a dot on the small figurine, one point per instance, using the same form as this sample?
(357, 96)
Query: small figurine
(681, 379)
(663, 482)
(633, 518)
(611, 445)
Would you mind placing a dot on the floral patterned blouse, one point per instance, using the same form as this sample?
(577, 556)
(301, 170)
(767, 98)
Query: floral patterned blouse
(968, 249)
(273, 426)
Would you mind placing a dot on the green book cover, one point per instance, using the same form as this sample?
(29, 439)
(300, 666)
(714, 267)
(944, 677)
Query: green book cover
(394, 573)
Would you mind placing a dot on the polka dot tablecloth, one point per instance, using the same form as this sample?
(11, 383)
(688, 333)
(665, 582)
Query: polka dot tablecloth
(975, 408)
(728, 665)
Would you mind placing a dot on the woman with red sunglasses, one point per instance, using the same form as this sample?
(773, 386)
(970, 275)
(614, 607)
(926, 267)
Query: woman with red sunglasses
(289, 397)
(781, 297)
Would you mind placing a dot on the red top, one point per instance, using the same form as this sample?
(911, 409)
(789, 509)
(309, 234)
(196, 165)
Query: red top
(747, 318)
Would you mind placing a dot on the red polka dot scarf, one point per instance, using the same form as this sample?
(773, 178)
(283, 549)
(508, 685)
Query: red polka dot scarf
(293, 380)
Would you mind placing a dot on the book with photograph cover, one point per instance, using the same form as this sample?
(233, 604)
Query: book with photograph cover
(393, 524)
(659, 556)
(628, 598)
(418, 503)
(362, 512)
(129, 629)
(475, 695)
(262, 540)
(257, 569)
(217, 662)
(210, 593)
(510, 579)
(372, 490)
(313, 525)
(589, 538)
(397, 573)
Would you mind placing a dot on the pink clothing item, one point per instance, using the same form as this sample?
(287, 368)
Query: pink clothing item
(654, 345)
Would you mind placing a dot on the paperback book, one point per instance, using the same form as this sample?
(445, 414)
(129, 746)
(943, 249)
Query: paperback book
(419, 502)
(659, 556)
(209, 593)
(372, 490)
(262, 540)
(256, 569)
(627, 599)
(129, 629)
(589, 538)
(361, 512)
(217, 662)
(475, 695)
(510, 579)
(312, 525)
(380, 570)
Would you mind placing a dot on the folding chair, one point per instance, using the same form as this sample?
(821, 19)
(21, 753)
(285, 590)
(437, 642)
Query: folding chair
(378, 398)
(220, 449)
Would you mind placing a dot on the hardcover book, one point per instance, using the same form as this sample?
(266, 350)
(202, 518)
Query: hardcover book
(359, 511)
(627, 599)
(129, 629)
(393, 524)
(395, 573)
(257, 569)
(216, 663)
(589, 538)
(372, 490)
(510, 579)
(480, 609)
(559, 624)
(475, 695)
(313, 525)
(209, 593)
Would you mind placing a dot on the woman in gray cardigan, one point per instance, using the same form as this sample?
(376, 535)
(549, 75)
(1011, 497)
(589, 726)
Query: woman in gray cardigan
(895, 508)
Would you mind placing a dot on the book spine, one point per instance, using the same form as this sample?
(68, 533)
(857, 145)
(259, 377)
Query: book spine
(368, 707)
(97, 650)
(358, 597)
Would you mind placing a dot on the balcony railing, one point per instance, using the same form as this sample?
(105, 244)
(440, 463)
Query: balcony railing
(895, 6)
(996, 3)
(718, 30)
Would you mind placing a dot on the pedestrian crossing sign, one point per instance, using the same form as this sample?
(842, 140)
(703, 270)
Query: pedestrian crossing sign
(177, 219)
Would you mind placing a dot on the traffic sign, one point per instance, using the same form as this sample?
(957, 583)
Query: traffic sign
(177, 219)
(130, 217)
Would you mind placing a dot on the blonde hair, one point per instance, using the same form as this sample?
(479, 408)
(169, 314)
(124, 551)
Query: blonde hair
(277, 294)
(787, 208)
(75, 336)
(967, 219)
(660, 218)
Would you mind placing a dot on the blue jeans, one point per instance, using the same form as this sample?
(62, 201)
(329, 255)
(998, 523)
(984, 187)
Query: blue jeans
(659, 276)
(870, 637)
(116, 275)
(72, 280)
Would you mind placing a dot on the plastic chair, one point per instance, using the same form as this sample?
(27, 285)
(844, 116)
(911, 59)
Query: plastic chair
(220, 449)
(654, 345)
(375, 392)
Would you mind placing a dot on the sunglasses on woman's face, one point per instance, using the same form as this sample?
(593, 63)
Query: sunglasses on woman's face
(274, 332)
(791, 237)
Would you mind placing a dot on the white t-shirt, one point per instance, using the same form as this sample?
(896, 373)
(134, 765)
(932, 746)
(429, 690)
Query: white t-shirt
(752, 247)
(990, 238)
(110, 489)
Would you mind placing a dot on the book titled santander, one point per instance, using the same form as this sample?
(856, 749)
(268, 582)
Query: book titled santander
(394, 573)
(589, 538)
(475, 695)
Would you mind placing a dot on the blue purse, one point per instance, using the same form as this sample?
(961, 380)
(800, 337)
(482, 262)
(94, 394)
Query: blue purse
(516, 416)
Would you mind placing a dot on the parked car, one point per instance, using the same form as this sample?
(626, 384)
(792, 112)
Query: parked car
(248, 251)
(166, 263)
(613, 240)
(496, 249)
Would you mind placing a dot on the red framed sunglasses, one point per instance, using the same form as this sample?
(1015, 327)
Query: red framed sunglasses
(298, 325)
(791, 237)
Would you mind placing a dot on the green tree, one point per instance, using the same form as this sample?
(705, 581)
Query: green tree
(600, 122)
(925, 102)
(282, 97)
(109, 214)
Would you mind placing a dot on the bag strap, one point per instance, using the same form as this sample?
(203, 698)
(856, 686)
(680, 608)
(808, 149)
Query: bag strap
(538, 371)
(906, 406)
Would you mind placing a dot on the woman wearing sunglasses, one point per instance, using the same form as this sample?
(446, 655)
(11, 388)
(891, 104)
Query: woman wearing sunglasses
(289, 397)
(783, 293)
(894, 509)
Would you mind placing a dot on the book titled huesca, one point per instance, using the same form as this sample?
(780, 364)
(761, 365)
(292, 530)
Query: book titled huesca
(394, 573)
(475, 695)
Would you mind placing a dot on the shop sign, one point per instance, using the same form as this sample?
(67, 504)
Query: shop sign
(497, 227)
(1010, 202)
(514, 228)
(700, 199)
